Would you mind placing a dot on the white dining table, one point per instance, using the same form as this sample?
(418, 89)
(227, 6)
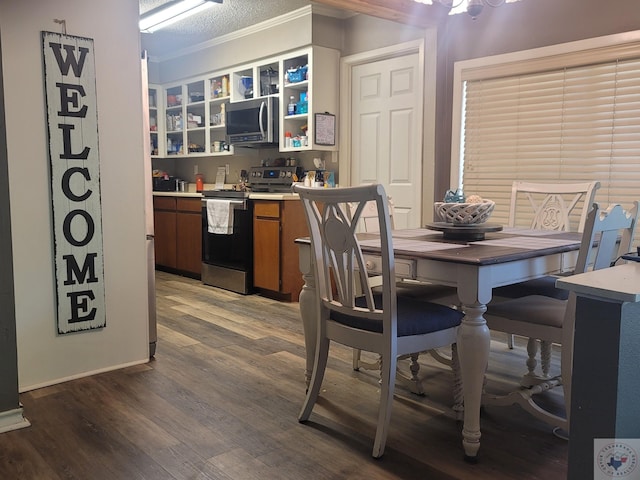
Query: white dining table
(474, 267)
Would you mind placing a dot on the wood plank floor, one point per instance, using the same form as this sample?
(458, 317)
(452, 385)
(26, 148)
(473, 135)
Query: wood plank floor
(220, 401)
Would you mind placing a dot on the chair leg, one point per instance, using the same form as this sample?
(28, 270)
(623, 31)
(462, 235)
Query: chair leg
(317, 375)
(410, 381)
(358, 363)
(388, 372)
(545, 357)
(415, 384)
(356, 358)
(530, 378)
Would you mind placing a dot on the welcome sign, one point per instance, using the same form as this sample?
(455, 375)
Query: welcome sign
(72, 121)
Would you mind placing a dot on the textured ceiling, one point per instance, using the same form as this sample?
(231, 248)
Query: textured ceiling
(221, 19)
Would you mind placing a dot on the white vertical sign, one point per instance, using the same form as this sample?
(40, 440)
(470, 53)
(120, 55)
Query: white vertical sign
(72, 121)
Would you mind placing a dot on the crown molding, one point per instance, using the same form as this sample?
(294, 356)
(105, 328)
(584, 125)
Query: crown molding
(258, 27)
(403, 11)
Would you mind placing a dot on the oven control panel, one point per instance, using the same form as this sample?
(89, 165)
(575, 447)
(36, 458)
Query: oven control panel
(269, 179)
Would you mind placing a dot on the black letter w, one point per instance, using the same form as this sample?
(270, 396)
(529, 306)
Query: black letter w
(63, 64)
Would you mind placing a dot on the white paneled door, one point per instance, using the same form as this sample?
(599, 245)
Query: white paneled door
(386, 130)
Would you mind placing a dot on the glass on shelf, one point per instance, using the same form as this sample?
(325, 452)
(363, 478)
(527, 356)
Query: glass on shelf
(269, 80)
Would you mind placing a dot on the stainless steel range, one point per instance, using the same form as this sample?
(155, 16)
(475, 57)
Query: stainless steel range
(227, 240)
(273, 179)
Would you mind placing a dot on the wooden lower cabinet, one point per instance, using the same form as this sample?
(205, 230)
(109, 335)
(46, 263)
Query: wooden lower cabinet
(164, 230)
(189, 235)
(266, 245)
(276, 225)
(178, 234)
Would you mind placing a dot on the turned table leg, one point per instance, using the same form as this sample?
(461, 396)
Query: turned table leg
(474, 340)
(308, 311)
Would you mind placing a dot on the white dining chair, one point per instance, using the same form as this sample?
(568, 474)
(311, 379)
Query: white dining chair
(546, 206)
(382, 322)
(607, 235)
(424, 291)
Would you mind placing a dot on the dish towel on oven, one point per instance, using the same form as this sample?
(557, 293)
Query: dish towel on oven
(220, 217)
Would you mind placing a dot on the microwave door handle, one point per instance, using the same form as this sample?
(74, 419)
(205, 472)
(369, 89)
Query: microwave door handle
(262, 107)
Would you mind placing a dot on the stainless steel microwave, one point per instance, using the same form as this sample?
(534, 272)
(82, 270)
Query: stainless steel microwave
(253, 122)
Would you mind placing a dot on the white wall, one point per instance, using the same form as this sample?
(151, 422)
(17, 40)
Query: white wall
(290, 32)
(43, 356)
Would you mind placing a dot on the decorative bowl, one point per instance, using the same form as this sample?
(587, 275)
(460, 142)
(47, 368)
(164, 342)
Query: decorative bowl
(464, 213)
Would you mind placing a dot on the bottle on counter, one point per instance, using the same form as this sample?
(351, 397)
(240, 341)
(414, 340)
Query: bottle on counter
(199, 182)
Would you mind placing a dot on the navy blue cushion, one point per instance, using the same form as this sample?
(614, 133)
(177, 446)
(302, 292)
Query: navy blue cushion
(545, 286)
(414, 317)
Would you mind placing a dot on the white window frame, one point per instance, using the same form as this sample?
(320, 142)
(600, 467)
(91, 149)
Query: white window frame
(581, 52)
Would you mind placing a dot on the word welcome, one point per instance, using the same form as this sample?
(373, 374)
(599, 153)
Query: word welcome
(72, 121)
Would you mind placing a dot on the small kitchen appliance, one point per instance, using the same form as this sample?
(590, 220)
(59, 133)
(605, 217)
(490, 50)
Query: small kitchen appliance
(253, 122)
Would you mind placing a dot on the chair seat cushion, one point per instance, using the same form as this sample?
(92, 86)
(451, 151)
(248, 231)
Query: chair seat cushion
(415, 317)
(545, 286)
(535, 309)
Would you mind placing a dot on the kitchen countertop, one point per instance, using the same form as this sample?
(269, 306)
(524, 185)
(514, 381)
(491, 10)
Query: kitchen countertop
(273, 196)
(252, 195)
(177, 194)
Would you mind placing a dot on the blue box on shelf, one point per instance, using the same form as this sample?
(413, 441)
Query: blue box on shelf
(298, 74)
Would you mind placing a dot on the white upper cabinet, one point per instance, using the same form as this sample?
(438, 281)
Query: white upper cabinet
(155, 119)
(309, 99)
(188, 118)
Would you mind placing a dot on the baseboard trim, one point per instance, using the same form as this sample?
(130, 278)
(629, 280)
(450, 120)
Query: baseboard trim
(12, 420)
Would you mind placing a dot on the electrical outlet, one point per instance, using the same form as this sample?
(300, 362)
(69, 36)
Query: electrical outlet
(195, 169)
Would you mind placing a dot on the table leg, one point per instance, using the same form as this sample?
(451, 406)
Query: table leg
(473, 350)
(307, 301)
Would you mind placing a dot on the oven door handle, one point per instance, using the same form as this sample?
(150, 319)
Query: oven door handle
(236, 204)
(241, 203)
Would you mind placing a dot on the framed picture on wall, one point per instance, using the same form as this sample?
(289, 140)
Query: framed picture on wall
(325, 129)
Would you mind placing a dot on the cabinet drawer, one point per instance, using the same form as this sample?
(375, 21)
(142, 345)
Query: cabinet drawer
(266, 209)
(189, 205)
(404, 268)
(164, 203)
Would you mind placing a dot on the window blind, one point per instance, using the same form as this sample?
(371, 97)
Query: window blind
(573, 124)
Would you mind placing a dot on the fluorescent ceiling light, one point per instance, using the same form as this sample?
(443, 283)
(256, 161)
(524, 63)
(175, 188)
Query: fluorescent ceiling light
(172, 12)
